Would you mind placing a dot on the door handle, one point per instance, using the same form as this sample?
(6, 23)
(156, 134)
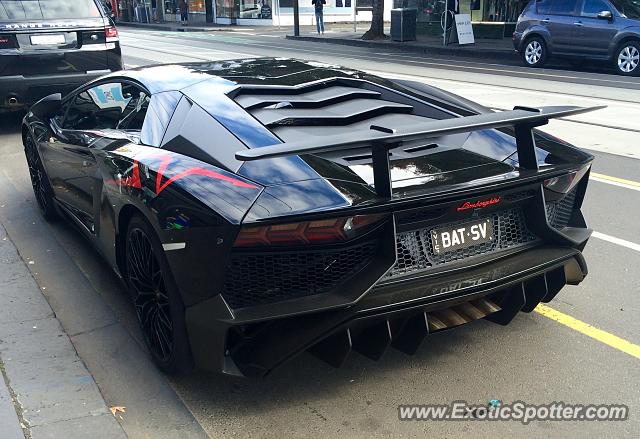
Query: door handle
(545, 21)
(578, 23)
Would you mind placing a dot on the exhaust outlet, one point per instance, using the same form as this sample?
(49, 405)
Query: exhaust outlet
(461, 314)
(12, 100)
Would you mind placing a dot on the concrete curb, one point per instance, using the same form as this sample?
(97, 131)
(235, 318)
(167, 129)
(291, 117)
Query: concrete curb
(176, 28)
(456, 51)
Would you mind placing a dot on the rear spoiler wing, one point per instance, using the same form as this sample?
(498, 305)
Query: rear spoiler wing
(382, 139)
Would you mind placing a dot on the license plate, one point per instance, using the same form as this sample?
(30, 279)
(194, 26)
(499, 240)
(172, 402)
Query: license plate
(47, 40)
(465, 235)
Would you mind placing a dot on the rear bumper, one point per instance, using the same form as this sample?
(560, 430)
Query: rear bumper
(388, 302)
(27, 90)
(517, 40)
(389, 315)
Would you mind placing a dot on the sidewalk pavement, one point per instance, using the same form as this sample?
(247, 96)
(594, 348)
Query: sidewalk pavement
(45, 389)
(177, 27)
(344, 34)
(494, 49)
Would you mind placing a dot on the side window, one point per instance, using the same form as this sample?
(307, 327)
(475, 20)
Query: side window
(562, 7)
(108, 106)
(133, 115)
(543, 6)
(591, 8)
(556, 7)
(160, 111)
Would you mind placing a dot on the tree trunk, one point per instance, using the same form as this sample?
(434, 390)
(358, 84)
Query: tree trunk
(376, 31)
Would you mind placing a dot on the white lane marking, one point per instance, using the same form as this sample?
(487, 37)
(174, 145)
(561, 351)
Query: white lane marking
(215, 56)
(168, 48)
(174, 246)
(555, 95)
(615, 183)
(618, 241)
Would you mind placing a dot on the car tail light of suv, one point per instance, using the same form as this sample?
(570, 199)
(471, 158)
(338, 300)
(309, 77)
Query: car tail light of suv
(111, 33)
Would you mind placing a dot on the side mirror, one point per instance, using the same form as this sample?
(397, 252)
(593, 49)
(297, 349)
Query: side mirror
(605, 15)
(47, 106)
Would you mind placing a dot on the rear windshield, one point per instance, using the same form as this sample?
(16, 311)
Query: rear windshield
(47, 9)
(629, 8)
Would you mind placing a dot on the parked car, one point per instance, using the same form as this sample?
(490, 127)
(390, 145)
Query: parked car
(579, 30)
(53, 46)
(260, 208)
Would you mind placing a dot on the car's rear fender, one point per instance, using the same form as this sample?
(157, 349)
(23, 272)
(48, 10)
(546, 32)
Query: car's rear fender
(195, 208)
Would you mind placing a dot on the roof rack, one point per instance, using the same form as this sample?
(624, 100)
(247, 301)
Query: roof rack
(382, 139)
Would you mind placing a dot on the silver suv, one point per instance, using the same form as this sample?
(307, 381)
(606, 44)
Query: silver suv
(607, 30)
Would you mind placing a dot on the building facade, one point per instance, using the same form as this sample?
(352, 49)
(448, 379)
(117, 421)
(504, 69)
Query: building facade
(492, 18)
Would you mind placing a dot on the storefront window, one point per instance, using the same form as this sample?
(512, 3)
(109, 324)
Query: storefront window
(307, 3)
(244, 9)
(502, 10)
(630, 8)
(255, 8)
(224, 8)
(428, 10)
(171, 6)
(196, 6)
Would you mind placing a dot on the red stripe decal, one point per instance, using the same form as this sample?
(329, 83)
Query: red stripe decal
(161, 170)
(135, 181)
(204, 172)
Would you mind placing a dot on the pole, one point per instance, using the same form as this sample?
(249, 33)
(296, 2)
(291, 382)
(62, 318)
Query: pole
(446, 17)
(296, 18)
(353, 5)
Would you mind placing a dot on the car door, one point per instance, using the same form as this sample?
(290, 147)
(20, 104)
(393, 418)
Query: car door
(594, 34)
(106, 110)
(559, 16)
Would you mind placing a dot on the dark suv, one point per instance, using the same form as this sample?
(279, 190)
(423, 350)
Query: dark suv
(49, 46)
(579, 30)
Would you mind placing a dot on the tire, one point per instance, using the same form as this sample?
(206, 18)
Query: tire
(627, 59)
(39, 180)
(156, 298)
(534, 52)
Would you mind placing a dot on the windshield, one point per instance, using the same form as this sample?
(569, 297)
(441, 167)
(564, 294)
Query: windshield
(47, 9)
(628, 8)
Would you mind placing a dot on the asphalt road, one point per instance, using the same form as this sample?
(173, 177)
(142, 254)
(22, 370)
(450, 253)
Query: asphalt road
(535, 359)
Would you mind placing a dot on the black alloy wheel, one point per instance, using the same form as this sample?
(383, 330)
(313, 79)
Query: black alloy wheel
(158, 307)
(39, 180)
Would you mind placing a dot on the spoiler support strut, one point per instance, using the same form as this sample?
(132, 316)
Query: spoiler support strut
(381, 139)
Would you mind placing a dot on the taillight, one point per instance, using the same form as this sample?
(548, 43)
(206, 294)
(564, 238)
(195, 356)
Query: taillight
(307, 232)
(6, 42)
(111, 33)
(564, 183)
(561, 184)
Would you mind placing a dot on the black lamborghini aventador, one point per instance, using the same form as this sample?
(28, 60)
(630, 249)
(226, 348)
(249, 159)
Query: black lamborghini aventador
(260, 208)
